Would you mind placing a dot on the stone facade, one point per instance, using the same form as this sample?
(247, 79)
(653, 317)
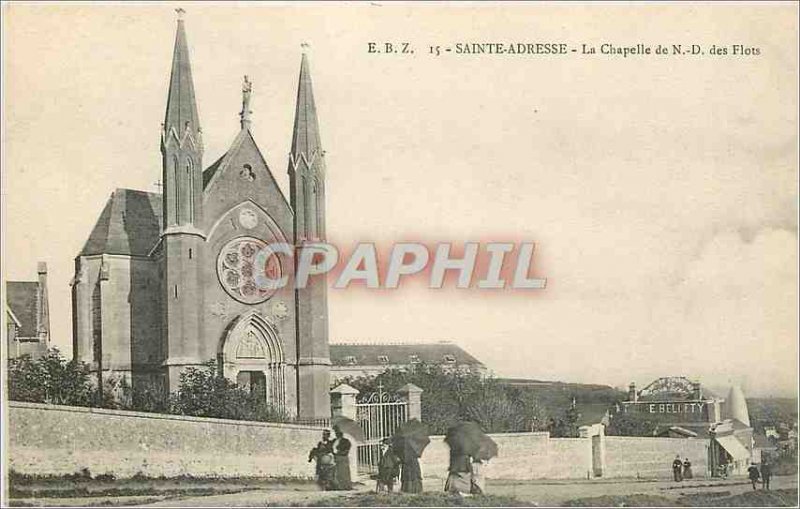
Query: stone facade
(169, 281)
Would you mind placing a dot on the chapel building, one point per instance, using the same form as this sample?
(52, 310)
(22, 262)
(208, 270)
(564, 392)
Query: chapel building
(175, 280)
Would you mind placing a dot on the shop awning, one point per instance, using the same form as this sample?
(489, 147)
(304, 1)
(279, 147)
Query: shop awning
(735, 448)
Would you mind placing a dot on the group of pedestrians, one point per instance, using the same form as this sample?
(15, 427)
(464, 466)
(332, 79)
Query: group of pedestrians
(391, 467)
(681, 469)
(465, 472)
(332, 461)
(333, 466)
(763, 474)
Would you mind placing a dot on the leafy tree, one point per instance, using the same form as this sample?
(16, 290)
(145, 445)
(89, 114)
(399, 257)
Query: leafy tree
(492, 408)
(204, 392)
(450, 396)
(566, 425)
(631, 425)
(50, 379)
(530, 404)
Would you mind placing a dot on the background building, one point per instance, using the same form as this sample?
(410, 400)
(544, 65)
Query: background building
(684, 409)
(28, 316)
(355, 360)
(675, 402)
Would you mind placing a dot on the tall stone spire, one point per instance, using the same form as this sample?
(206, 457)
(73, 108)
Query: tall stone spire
(181, 106)
(306, 162)
(181, 143)
(307, 186)
(305, 137)
(183, 243)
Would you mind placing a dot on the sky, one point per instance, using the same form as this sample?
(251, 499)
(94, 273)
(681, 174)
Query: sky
(661, 192)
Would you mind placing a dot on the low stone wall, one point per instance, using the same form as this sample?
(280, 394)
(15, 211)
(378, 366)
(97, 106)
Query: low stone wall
(522, 456)
(49, 439)
(537, 456)
(652, 457)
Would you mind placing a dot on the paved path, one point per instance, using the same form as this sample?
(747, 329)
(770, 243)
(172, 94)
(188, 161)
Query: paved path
(536, 492)
(552, 493)
(539, 492)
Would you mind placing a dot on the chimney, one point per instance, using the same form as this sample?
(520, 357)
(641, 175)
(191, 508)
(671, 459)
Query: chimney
(697, 393)
(42, 305)
(632, 392)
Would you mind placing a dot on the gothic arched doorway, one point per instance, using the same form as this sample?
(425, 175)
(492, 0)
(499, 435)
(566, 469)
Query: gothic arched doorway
(251, 354)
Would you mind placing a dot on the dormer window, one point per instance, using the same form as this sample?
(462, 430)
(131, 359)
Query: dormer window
(413, 358)
(383, 359)
(449, 359)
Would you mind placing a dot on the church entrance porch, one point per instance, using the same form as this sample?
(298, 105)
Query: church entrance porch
(254, 382)
(251, 354)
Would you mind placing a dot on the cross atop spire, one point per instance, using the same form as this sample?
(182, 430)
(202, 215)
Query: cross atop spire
(180, 12)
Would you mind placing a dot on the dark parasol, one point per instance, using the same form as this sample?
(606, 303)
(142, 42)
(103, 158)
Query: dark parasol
(410, 438)
(487, 449)
(465, 438)
(349, 427)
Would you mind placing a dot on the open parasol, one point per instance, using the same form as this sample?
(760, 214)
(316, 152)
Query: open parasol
(487, 449)
(465, 438)
(348, 427)
(410, 438)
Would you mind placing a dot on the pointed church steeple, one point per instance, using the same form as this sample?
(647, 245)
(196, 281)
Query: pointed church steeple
(181, 143)
(305, 137)
(181, 114)
(182, 240)
(307, 185)
(306, 163)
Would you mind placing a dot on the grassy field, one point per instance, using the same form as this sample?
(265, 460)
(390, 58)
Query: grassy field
(81, 489)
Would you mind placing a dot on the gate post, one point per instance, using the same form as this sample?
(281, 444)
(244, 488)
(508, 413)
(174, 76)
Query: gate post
(343, 401)
(343, 404)
(412, 395)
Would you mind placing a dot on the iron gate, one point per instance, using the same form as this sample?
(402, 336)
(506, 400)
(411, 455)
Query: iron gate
(379, 415)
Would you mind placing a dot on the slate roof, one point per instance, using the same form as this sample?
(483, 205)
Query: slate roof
(130, 224)
(21, 299)
(368, 354)
(209, 172)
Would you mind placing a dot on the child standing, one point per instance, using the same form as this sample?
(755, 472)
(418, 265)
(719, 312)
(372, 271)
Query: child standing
(388, 467)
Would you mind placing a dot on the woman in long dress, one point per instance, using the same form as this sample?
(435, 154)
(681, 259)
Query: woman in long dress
(411, 474)
(341, 453)
(459, 477)
(323, 455)
(687, 469)
(478, 486)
